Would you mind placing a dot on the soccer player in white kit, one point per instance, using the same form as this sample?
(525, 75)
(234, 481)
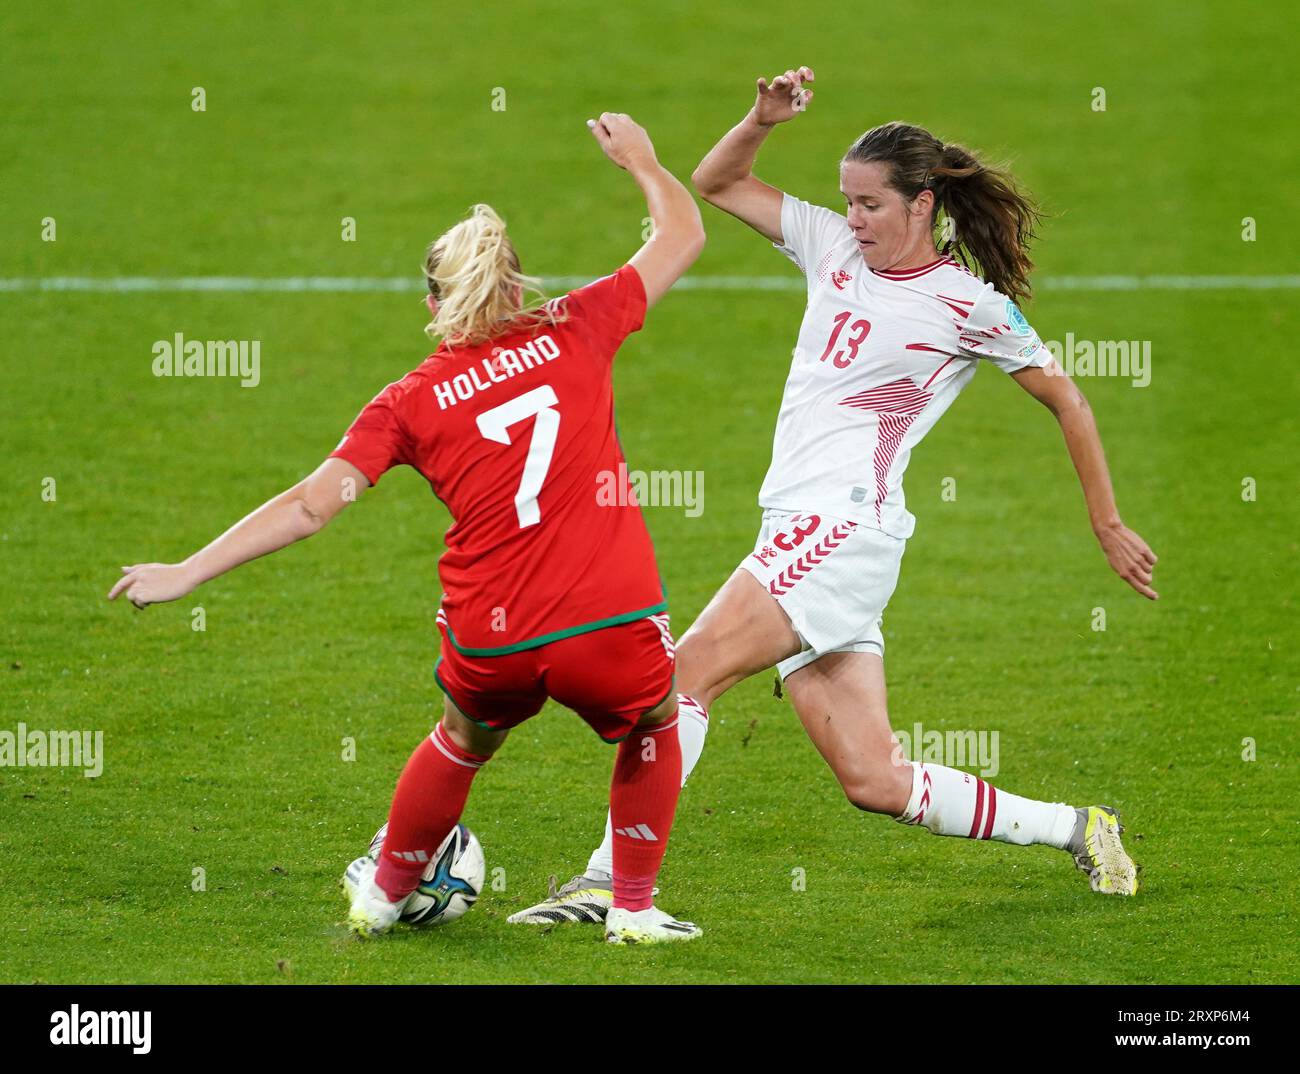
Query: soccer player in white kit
(894, 329)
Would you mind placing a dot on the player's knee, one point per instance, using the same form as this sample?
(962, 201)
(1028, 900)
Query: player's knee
(468, 735)
(691, 664)
(665, 710)
(701, 670)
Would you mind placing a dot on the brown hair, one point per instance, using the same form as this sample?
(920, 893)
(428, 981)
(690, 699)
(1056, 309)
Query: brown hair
(994, 221)
(473, 272)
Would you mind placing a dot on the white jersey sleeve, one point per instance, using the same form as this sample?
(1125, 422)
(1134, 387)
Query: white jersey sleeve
(808, 233)
(998, 331)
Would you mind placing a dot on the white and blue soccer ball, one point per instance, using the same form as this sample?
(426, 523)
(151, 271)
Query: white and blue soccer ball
(450, 884)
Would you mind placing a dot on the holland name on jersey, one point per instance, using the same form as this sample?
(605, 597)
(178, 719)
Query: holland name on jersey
(504, 363)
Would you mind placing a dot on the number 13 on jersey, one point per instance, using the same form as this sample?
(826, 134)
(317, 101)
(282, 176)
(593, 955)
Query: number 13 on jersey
(857, 336)
(495, 425)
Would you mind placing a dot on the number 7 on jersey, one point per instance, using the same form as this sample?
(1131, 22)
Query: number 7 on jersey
(495, 425)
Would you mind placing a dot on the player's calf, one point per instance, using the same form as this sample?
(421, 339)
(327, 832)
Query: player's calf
(643, 799)
(427, 804)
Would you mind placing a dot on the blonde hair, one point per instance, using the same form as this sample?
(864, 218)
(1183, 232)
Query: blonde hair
(473, 272)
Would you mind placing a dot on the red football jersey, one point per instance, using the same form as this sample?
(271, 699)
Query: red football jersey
(516, 436)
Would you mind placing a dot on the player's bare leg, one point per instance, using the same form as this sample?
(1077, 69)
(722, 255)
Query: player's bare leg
(741, 632)
(427, 804)
(840, 699)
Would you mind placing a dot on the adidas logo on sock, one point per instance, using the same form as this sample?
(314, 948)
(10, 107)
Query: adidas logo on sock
(641, 831)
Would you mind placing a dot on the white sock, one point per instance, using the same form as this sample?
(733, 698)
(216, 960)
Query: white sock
(949, 802)
(692, 726)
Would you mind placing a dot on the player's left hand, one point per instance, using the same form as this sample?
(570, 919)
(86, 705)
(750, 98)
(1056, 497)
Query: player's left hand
(152, 583)
(1130, 557)
(784, 97)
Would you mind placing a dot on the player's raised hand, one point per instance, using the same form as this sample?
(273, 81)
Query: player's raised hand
(1130, 557)
(152, 583)
(784, 97)
(624, 140)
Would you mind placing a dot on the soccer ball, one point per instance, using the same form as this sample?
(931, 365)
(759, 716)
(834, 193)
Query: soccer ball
(451, 883)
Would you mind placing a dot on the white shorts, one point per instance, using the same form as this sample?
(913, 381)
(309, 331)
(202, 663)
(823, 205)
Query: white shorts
(833, 579)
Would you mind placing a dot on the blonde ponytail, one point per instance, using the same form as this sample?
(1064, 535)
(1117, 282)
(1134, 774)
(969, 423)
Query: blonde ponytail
(473, 272)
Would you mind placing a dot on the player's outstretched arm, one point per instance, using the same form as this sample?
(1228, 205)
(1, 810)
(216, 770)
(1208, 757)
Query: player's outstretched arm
(1129, 555)
(294, 514)
(677, 234)
(725, 176)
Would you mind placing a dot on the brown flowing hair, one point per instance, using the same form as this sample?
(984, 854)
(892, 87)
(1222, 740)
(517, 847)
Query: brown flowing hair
(993, 220)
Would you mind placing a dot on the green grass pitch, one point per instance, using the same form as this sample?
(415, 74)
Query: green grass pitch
(224, 748)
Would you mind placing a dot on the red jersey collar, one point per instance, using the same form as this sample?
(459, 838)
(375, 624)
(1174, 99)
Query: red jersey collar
(913, 273)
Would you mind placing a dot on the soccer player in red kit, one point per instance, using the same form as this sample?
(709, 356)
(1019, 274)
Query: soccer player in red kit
(548, 591)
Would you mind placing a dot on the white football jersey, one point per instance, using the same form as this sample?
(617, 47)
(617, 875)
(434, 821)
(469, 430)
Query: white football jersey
(880, 357)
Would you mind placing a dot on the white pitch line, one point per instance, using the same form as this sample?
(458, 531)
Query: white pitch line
(1168, 283)
(155, 284)
(413, 285)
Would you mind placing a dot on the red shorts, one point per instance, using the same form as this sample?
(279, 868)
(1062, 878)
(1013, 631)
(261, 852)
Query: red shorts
(610, 677)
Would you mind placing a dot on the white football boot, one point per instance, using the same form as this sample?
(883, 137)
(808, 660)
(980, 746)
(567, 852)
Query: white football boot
(650, 925)
(1097, 851)
(371, 913)
(583, 899)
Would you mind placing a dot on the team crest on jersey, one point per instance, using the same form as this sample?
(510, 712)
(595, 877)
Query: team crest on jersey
(839, 278)
(1017, 319)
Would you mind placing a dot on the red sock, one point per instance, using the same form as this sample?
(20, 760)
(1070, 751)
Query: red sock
(642, 801)
(428, 802)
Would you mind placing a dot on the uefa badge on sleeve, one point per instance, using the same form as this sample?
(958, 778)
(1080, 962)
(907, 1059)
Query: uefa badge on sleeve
(1016, 320)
